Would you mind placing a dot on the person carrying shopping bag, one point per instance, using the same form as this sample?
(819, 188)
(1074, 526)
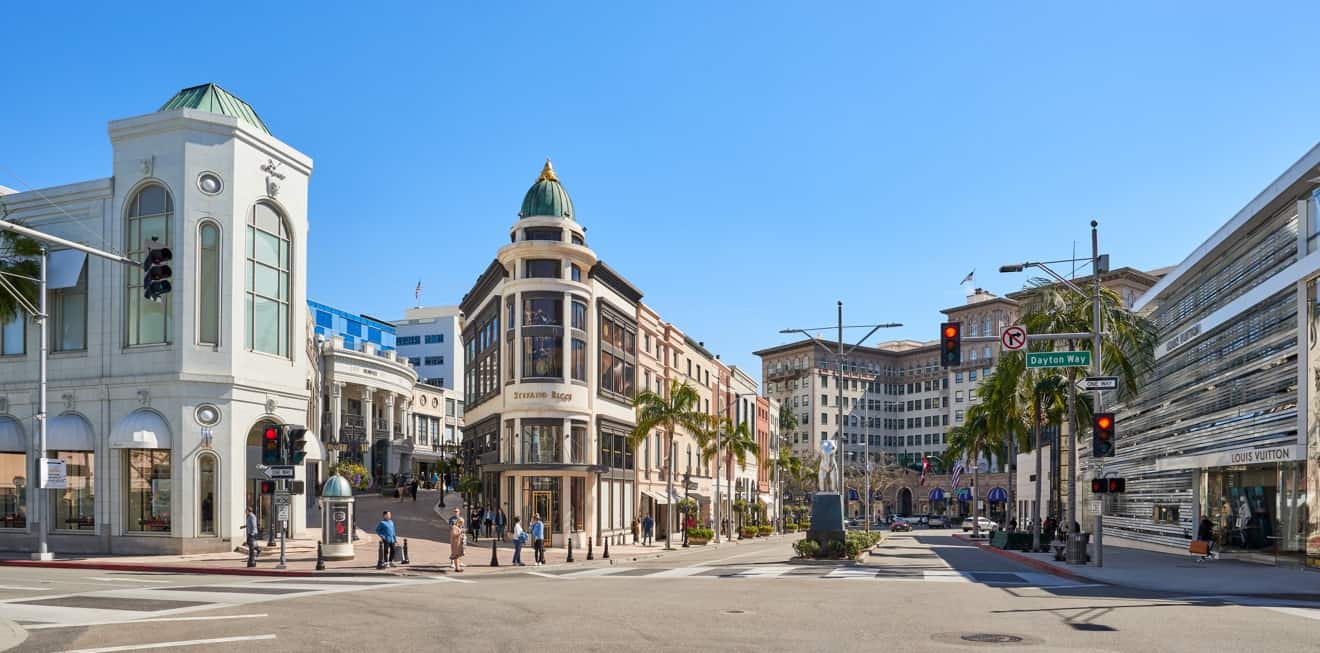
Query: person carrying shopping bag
(519, 539)
(456, 543)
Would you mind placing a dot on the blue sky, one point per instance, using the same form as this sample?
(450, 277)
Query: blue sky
(746, 165)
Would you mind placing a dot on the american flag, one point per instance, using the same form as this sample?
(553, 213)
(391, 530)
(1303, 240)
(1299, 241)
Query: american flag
(417, 292)
(925, 467)
(957, 473)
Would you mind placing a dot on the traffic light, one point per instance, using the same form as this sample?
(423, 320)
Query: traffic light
(268, 487)
(296, 439)
(950, 344)
(1099, 486)
(270, 445)
(156, 274)
(1117, 485)
(1102, 435)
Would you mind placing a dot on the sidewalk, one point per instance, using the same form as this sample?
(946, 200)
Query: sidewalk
(420, 523)
(1128, 566)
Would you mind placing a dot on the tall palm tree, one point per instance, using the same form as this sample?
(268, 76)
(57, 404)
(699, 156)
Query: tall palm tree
(733, 442)
(676, 408)
(18, 268)
(969, 442)
(1005, 415)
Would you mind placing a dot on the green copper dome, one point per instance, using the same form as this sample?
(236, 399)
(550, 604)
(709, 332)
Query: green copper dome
(210, 97)
(546, 198)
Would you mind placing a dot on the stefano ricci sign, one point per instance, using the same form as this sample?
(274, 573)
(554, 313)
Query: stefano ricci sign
(541, 396)
(1235, 457)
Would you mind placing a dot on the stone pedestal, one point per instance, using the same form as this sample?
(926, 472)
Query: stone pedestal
(826, 518)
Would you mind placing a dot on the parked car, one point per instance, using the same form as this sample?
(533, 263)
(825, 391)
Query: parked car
(900, 526)
(986, 524)
(937, 521)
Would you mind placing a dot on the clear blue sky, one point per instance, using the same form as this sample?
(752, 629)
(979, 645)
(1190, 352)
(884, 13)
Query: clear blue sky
(723, 158)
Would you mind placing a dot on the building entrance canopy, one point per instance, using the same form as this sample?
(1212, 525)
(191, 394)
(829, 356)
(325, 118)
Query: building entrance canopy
(1246, 456)
(142, 429)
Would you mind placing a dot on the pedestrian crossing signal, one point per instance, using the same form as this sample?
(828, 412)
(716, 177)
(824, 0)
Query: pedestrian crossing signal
(1117, 485)
(1099, 486)
(268, 487)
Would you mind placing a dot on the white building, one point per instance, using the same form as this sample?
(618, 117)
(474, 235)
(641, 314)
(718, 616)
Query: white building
(429, 337)
(157, 407)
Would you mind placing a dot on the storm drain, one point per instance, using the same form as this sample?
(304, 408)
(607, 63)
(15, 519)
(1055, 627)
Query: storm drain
(991, 638)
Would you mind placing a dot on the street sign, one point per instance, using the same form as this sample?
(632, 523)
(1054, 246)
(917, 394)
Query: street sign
(54, 474)
(282, 513)
(1037, 359)
(279, 471)
(1098, 383)
(1014, 337)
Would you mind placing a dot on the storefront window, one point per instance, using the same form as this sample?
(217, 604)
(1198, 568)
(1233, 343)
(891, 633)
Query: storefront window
(1259, 508)
(578, 501)
(13, 490)
(73, 505)
(578, 443)
(541, 441)
(543, 336)
(147, 475)
(206, 466)
(541, 496)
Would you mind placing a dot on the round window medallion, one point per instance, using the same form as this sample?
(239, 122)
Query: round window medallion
(207, 415)
(210, 183)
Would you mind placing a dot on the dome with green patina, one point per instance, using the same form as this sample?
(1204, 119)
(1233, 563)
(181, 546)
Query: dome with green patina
(210, 97)
(547, 197)
(336, 486)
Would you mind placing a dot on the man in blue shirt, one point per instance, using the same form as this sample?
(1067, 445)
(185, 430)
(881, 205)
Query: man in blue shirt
(538, 538)
(385, 529)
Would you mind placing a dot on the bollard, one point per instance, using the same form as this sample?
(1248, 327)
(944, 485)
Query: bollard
(606, 555)
(494, 555)
(320, 559)
(405, 551)
(570, 550)
(271, 541)
(252, 553)
(590, 556)
(380, 555)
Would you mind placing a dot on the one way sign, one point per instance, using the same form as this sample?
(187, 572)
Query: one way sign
(1098, 383)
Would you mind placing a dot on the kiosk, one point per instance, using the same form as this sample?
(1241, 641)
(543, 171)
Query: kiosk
(337, 519)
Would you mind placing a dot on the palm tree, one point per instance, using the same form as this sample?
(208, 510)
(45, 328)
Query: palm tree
(733, 442)
(18, 268)
(968, 442)
(677, 408)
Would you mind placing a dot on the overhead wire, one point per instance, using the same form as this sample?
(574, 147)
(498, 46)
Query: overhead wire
(98, 238)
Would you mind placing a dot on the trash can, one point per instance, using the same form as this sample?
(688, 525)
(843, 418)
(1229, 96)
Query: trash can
(1077, 548)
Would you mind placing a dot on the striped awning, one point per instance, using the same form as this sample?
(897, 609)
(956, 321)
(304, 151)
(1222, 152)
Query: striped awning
(937, 494)
(998, 495)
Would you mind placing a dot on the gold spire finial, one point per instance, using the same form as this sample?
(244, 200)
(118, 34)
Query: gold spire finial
(548, 172)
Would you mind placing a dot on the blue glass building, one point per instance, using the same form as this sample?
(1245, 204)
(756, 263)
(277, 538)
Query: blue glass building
(356, 329)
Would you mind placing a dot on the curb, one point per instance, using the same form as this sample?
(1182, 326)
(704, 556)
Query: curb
(11, 634)
(1028, 561)
(180, 569)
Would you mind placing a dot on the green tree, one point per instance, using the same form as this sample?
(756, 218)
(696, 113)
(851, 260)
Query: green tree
(969, 442)
(734, 443)
(19, 268)
(676, 408)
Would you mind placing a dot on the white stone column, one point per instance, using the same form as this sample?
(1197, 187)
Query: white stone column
(368, 427)
(392, 457)
(565, 488)
(336, 421)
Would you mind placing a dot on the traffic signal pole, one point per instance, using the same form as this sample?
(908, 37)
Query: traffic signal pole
(1098, 396)
(40, 508)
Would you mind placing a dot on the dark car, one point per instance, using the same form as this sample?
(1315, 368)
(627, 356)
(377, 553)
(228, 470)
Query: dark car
(900, 526)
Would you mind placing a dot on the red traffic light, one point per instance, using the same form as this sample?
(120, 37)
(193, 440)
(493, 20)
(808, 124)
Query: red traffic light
(950, 331)
(268, 487)
(272, 433)
(1117, 485)
(1104, 422)
(1099, 486)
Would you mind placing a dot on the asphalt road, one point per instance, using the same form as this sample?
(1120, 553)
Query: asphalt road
(923, 591)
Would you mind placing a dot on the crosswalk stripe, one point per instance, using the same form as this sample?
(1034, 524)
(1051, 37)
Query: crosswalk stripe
(680, 572)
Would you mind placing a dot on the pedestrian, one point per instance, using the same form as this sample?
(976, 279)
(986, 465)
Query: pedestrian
(489, 520)
(456, 546)
(538, 538)
(500, 523)
(415, 484)
(385, 529)
(648, 529)
(1206, 533)
(251, 526)
(635, 529)
(474, 524)
(435, 483)
(519, 539)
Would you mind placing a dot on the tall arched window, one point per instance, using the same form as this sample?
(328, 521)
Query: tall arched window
(266, 316)
(208, 284)
(208, 501)
(149, 214)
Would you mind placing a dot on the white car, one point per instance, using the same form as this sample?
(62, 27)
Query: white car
(986, 524)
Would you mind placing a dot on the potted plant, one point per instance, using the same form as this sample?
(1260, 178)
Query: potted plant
(698, 536)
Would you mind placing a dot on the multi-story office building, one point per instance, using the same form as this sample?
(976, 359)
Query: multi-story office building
(354, 329)
(158, 407)
(429, 337)
(1221, 428)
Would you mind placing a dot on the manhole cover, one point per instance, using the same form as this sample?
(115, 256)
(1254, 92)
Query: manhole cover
(735, 611)
(991, 638)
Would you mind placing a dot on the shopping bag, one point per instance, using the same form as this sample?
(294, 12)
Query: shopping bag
(1199, 547)
(396, 554)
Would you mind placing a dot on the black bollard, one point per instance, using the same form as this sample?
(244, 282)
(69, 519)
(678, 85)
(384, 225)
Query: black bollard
(380, 555)
(494, 555)
(320, 559)
(405, 552)
(252, 553)
(606, 555)
(271, 541)
(590, 555)
(570, 550)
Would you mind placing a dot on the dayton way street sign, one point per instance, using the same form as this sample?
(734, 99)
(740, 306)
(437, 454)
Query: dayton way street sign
(1098, 383)
(1058, 359)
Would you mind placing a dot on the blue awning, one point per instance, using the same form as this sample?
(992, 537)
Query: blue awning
(852, 495)
(937, 494)
(998, 495)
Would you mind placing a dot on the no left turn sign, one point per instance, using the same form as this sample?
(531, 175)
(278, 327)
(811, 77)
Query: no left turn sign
(1013, 338)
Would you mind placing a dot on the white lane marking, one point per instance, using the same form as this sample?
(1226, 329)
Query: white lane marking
(599, 571)
(450, 579)
(537, 573)
(189, 642)
(740, 555)
(127, 580)
(769, 571)
(1305, 613)
(680, 572)
(151, 620)
(851, 572)
(22, 588)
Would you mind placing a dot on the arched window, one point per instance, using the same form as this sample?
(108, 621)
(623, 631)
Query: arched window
(208, 503)
(266, 309)
(208, 284)
(149, 214)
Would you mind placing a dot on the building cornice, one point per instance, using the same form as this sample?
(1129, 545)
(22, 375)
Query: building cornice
(485, 284)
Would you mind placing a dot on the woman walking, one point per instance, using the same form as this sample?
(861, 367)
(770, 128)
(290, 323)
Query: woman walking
(519, 536)
(456, 541)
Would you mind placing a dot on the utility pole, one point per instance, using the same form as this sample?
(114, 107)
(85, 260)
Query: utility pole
(1098, 396)
(39, 508)
(838, 382)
